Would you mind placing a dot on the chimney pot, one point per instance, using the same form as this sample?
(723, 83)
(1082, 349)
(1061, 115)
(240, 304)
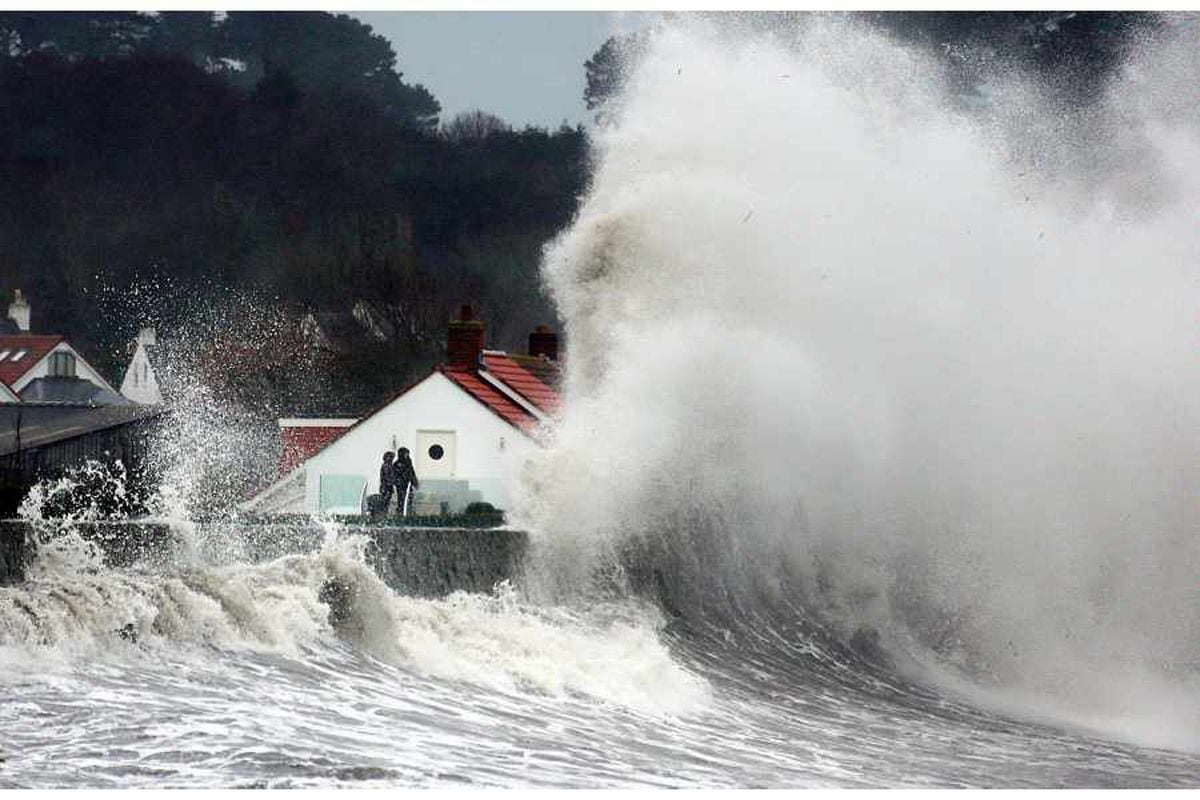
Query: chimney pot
(18, 311)
(543, 342)
(464, 340)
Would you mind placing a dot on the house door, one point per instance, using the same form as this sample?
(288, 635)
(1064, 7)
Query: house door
(435, 454)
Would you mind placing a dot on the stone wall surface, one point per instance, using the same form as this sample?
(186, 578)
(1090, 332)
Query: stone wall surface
(434, 562)
(428, 562)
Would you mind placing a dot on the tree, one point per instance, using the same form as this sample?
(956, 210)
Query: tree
(188, 34)
(474, 126)
(610, 67)
(324, 52)
(74, 35)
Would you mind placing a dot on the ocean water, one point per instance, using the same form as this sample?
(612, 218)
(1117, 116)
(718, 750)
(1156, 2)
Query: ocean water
(236, 679)
(876, 468)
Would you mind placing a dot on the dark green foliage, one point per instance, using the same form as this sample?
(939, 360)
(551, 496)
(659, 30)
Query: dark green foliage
(323, 52)
(319, 51)
(74, 35)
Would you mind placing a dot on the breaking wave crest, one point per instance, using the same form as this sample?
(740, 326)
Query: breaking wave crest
(921, 378)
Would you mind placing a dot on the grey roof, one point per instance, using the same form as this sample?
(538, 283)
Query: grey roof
(70, 390)
(48, 423)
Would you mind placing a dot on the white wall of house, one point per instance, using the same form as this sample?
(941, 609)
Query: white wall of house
(7, 395)
(139, 384)
(488, 451)
(42, 368)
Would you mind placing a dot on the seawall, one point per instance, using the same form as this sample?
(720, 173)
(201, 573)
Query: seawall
(12, 553)
(427, 562)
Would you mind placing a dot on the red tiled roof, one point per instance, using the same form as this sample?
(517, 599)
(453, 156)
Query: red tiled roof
(36, 346)
(300, 443)
(504, 407)
(543, 369)
(522, 382)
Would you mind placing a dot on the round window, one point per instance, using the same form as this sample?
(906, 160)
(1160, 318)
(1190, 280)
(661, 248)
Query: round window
(436, 452)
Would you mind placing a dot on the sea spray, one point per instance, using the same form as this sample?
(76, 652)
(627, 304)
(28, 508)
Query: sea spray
(833, 334)
(54, 509)
(206, 596)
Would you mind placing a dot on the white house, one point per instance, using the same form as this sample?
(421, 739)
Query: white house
(469, 426)
(40, 368)
(141, 383)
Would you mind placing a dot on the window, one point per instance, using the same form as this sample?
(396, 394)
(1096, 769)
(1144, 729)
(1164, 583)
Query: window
(4, 355)
(19, 355)
(436, 452)
(62, 365)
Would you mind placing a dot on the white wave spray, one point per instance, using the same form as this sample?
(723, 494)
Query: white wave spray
(74, 607)
(941, 364)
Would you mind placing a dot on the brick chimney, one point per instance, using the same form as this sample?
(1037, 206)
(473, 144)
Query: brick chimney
(464, 340)
(544, 342)
(18, 311)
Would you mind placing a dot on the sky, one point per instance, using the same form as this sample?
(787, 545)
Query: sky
(525, 67)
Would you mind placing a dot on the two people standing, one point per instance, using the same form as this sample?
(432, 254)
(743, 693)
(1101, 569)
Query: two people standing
(396, 474)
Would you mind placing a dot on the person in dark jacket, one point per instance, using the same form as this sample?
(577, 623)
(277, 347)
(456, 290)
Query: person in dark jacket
(387, 481)
(405, 481)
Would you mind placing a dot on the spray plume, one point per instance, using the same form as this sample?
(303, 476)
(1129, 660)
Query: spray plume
(932, 368)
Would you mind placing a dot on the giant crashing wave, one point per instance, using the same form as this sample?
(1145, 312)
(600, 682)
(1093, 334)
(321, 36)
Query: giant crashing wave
(886, 387)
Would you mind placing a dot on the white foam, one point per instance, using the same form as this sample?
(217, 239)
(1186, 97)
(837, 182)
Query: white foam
(63, 614)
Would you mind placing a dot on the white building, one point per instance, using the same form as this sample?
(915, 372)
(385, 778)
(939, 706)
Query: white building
(141, 384)
(469, 426)
(40, 368)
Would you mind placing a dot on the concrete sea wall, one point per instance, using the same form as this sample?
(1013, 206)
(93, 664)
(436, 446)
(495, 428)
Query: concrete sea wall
(12, 553)
(427, 562)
